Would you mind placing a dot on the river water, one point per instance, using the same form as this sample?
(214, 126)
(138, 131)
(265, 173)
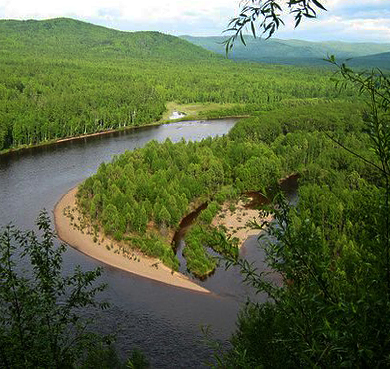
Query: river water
(163, 321)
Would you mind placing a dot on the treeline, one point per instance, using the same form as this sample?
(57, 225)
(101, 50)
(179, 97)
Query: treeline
(65, 78)
(150, 189)
(74, 39)
(43, 101)
(300, 137)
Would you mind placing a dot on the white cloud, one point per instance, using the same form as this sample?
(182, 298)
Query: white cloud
(176, 15)
(345, 19)
(135, 10)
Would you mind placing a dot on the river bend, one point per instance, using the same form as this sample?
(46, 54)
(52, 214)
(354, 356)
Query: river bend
(162, 320)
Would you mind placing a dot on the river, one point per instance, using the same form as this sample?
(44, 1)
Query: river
(163, 321)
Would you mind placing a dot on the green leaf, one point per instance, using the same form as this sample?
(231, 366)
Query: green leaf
(242, 38)
(253, 29)
(318, 4)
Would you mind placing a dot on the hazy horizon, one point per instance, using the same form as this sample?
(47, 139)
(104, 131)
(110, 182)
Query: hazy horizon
(205, 36)
(367, 21)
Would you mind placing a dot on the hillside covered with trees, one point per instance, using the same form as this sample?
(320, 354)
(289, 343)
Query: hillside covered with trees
(63, 78)
(299, 52)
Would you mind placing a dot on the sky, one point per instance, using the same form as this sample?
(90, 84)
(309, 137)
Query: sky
(345, 20)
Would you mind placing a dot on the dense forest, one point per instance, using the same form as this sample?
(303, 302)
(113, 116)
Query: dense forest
(331, 249)
(63, 78)
(144, 194)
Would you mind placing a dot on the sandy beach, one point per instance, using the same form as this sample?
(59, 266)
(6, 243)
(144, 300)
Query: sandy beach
(135, 263)
(236, 221)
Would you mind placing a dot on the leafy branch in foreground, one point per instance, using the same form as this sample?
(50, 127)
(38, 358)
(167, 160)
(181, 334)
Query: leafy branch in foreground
(267, 16)
(40, 325)
(376, 86)
(331, 253)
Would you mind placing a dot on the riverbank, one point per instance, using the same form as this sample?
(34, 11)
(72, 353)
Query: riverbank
(109, 253)
(80, 137)
(236, 218)
(122, 129)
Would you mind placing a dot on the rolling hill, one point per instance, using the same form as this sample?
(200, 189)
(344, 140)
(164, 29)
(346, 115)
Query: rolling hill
(381, 60)
(295, 52)
(64, 78)
(74, 38)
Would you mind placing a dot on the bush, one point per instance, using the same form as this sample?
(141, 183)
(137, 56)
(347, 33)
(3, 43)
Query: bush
(39, 321)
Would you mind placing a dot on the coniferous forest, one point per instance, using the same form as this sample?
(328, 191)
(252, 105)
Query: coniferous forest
(63, 78)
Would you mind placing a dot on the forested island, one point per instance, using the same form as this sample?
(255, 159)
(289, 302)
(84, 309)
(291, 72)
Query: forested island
(64, 78)
(140, 198)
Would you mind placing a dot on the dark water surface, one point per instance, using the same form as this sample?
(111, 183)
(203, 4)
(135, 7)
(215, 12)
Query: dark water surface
(161, 320)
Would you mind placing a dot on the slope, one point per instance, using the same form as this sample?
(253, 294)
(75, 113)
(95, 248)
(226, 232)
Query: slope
(296, 52)
(63, 78)
(74, 38)
(381, 61)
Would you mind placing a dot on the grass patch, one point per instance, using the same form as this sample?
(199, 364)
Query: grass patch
(194, 109)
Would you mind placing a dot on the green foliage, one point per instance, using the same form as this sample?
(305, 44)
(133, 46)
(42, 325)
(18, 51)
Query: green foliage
(162, 179)
(153, 245)
(199, 262)
(217, 240)
(254, 350)
(209, 213)
(39, 315)
(333, 300)
(203, 235)
(380, 60)
(64, 78)
(164, 216)
(337, 117)
(137, 360)
(228, 192)
(268, 17)
(84, 40)
(171, 176)
(102, 357)
(331, 252)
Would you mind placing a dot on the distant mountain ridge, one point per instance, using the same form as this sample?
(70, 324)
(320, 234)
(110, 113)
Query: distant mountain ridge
(70, 37)
(381, 60)
(294, 51)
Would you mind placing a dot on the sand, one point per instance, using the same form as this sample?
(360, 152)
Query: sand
(236, 222)
(135, 263)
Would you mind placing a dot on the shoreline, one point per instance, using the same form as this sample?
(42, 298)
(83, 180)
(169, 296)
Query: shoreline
(143, 266)
(236, 221)
(122, 129)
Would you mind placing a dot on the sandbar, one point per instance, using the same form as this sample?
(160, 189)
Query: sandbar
(138, 264)
(236, 221)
